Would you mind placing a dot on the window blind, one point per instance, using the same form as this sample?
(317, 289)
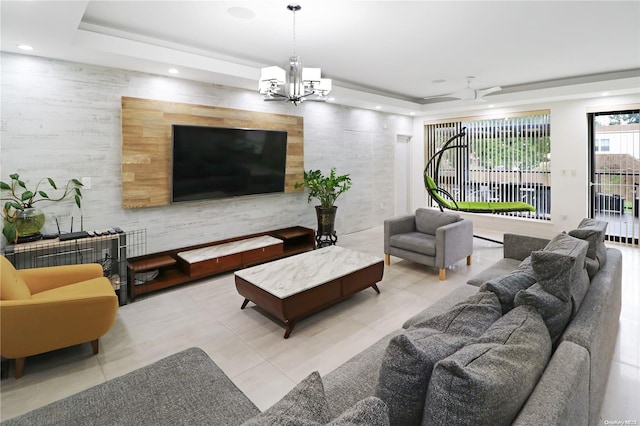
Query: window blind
(503, 159)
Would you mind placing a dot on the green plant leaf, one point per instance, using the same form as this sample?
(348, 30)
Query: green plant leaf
(43, 194)
(10, 233)
(77, 197)
(16, 205)
(325, 188)
(21, 183)
(52, 183)
(14, 176)
(4, 185)
(77, 182)
(26, 195)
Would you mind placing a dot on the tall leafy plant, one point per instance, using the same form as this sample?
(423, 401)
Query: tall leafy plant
(18, 198)
(325, 188)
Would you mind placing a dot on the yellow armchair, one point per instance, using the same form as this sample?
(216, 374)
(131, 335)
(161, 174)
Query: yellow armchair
(49, 308)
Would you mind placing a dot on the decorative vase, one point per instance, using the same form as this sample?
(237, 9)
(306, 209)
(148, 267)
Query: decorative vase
(326, 234)
(28, 223)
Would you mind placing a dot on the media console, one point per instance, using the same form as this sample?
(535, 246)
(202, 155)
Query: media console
(185, 264)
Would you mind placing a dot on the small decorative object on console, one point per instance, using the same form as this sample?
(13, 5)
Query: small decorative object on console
(23, 221)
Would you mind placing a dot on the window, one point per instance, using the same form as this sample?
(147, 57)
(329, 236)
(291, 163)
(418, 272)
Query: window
(500, 159)
(602, 145)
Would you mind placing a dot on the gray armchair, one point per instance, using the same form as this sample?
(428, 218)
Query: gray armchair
(430, 237)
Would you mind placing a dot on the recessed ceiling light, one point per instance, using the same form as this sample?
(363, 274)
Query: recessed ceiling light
(490, 106)
(24, 47)
(241, 12)
(412, 113)
(604, 94)
(378, 107)
(173, 71)
(331, 99)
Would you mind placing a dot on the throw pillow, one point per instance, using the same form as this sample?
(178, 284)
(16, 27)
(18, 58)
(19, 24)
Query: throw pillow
(488, 382)
(408, 361)
(370, 411)
(406, 369)
(594, 232)
(560, 268)
(428, 220)
(304, 405)
(555, 312)
(470, 317)
(506, 287)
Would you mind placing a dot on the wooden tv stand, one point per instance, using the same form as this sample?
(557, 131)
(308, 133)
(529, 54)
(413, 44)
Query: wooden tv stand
(185, 264)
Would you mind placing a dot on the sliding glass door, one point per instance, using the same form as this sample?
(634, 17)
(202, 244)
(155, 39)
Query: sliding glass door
(615, 172)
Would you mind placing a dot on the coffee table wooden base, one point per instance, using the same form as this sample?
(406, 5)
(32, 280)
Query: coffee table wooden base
(297, 306)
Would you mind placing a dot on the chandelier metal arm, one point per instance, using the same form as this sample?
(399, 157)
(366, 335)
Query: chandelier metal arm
(296, 83)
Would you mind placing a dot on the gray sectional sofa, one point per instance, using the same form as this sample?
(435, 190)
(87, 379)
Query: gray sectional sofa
(485, 355)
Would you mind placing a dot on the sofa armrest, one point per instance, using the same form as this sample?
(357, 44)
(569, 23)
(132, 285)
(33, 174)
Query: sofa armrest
(50, 277)
(186, 388)
(398, 225)
(34, 326)
(453, 242)
(520, 246)
(595, 326)
(561, 396)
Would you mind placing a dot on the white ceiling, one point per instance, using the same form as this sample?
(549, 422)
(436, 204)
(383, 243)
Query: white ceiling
(387, 53)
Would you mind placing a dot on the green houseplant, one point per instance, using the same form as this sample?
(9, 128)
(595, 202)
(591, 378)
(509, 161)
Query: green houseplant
(21, 217)
(326, 189)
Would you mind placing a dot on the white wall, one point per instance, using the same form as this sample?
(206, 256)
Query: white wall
(62, 120)
(569, 154)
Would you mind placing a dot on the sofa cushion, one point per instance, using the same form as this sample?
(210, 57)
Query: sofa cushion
(507, 286)
(428, 220)
(499, 269)
(409, 358)
(487, 383)
(471, 317)
(305, 404)
(416, 242)
(555, 312)
(370, 411)
(594, 232)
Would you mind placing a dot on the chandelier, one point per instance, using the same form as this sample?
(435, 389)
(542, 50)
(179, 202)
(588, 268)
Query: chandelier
(296, 84)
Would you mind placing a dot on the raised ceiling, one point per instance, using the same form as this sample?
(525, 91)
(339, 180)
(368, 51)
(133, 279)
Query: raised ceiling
(387, 53)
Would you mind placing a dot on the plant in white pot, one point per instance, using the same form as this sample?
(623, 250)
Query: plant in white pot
(326, 189)
(21, 217)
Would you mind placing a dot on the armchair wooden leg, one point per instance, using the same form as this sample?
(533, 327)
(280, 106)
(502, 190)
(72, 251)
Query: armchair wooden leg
(468, 260)
(94, 346)
(443, 274)
(19, 367)
(387, 259)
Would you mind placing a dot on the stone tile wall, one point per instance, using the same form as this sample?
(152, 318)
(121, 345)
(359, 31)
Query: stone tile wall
(62, 119)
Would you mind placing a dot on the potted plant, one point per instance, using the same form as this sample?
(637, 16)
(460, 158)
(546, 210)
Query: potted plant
(326, 189)
(21, 217)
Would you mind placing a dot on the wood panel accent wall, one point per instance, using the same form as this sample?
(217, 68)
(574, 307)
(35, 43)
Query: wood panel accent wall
(147, 144)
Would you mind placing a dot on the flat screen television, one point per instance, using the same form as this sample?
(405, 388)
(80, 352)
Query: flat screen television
(214, 162)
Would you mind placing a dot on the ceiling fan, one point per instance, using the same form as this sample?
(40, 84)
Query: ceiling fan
(467, 94)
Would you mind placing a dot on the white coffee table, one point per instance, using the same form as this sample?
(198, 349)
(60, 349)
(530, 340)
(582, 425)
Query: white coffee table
(298, 286)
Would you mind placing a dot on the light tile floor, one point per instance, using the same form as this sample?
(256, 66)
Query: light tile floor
(249, 346)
